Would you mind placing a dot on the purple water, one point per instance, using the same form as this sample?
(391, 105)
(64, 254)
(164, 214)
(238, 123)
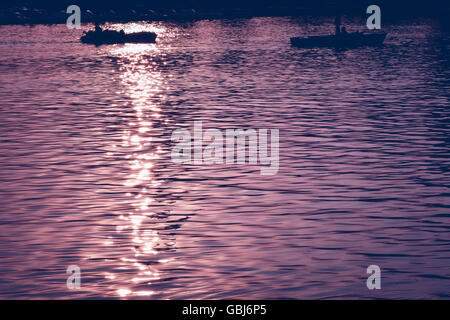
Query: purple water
(86, 176)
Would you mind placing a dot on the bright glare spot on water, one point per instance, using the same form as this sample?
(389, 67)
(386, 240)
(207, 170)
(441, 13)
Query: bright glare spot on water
(123, 292)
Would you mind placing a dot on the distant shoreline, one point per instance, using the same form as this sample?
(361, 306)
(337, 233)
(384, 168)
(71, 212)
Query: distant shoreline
(24, 16)
(40, 17)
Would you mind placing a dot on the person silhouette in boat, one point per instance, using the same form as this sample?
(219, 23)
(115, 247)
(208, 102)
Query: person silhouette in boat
(98, 29)
(337, 24)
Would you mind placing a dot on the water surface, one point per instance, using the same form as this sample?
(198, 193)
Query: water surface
(86, 176)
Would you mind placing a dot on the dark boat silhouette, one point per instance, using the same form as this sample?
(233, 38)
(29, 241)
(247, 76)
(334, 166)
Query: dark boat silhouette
(113, 37)
(347, 40)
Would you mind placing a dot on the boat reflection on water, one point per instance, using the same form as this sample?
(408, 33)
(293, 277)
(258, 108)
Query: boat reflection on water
(111, 37)
(350, 40)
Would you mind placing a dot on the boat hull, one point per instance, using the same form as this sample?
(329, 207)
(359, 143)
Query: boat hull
(113, 37)
(340, 41)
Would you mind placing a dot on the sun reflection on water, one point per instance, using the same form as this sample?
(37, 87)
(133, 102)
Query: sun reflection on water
(143, 83)
(131, 27)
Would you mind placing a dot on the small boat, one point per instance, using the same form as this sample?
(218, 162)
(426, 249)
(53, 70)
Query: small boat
(343, 40)
(113, 37)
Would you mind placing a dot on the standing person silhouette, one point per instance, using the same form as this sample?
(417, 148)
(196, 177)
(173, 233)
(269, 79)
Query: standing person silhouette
(97, 27)
(337, 24)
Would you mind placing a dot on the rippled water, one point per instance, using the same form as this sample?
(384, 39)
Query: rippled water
(86, 176)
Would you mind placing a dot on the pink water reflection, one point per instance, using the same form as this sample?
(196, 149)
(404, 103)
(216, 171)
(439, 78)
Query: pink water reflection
(141, 82)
